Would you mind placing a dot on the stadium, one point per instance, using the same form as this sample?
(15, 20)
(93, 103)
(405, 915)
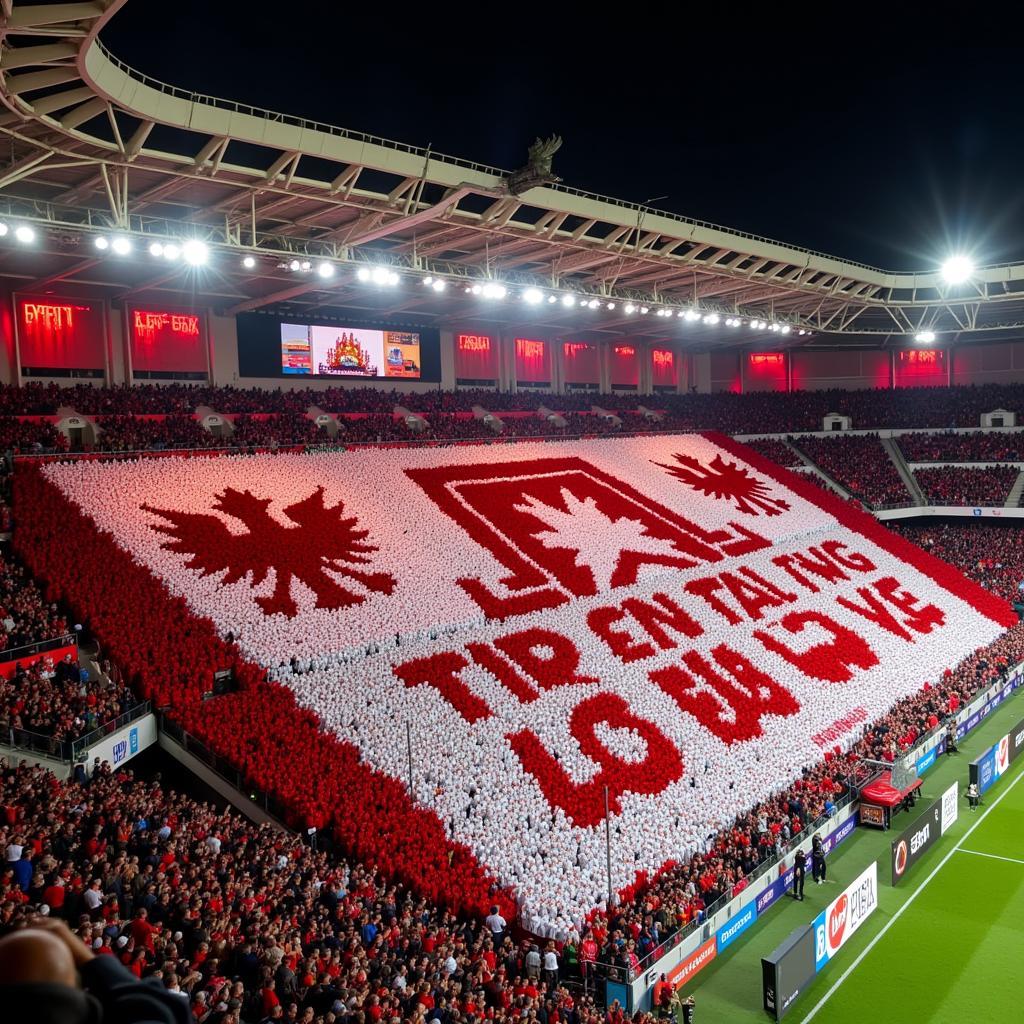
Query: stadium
(437, 592)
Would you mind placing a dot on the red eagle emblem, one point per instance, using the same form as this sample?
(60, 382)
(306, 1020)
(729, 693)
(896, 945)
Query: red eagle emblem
(727, 480)
(322, 542)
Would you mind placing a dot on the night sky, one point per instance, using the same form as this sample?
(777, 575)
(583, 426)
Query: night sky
(840, 129)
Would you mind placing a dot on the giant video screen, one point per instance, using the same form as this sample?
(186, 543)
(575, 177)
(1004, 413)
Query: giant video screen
(313, 350)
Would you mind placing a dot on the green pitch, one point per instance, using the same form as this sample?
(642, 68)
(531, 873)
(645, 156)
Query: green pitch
(945, 946)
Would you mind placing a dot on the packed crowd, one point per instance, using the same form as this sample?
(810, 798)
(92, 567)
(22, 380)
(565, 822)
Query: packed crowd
(57, 702)
(957, 485)
(25, 615)
(249, 924)
(753, 413)
(991, 555)
(859, 463)
(976, 446)
(778, 451)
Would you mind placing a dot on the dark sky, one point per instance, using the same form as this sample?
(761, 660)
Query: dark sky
(835, 128)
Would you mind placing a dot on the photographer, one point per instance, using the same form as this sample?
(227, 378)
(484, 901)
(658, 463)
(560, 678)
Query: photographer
(49, 976)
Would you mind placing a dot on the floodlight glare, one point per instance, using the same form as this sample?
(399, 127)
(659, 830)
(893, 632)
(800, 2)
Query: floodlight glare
(3, 229)
(249, 262)
(568, 300)
(392, 277)
(121, 245)
(195, 252)
(593, 304)
(325, 270)
(533, 296)
(363, 274)
(171, 252)
(156, 249)
(692, 314)
(629, 307)
(785, 328)
(428, 281)
(552, 298)
(711, 318)
(379, 275)
(925, 337)
(439, 285)
(295, 266)
(23, 233)
(957, 269)
(609, 305)
(102, 244)
(644, 310)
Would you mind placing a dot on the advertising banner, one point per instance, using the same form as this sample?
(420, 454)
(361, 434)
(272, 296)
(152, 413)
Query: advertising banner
(693, 964)
(845, 914)
(916, 840)
(983, 770)
(735, 927)
(121, 746)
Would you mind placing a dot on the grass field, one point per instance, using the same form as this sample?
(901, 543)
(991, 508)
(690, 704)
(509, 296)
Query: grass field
(945, 946)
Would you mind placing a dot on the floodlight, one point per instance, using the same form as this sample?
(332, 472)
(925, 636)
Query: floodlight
(568, 300)
(249, 262)
(785, 328)
(379, 275)
(711, 318)
(439, 285)
(171, 251)
(925, 337)
(533, 296)
(644, 310)
(23, 233)
(593, 304)
(155, 248)
(3, 229)
(629, 307)
(325, 270)
(121, 245)
(428, 281)
(295, 266)
(195, 252)
(609, 305)
(957, 269)
(692, 314)
(102, 243)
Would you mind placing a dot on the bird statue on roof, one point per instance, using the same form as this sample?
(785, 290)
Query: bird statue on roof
(538, 167)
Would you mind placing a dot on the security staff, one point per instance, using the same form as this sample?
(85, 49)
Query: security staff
(799, 873)
(817, 859)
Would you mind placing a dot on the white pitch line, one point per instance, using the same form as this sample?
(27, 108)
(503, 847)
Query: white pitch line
(917, 892)
(994, 856)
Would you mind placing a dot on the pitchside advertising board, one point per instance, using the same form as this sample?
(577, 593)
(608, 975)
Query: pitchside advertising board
(834, 926)
(922, 835)
(986, 770)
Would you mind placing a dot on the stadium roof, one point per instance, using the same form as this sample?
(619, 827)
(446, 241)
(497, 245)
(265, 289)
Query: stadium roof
(97, 147)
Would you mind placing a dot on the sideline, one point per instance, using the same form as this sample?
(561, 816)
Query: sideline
(917, 892)
(994, 856)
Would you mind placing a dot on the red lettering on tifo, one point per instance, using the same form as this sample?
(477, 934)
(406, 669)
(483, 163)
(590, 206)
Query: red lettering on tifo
(655, 617)
(584, 802)
(732, 708)
(888, 591)
(444, 673)
(830, 661)
(548, 657)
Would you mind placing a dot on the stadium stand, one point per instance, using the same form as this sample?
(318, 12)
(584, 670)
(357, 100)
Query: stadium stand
(955, 485)
(860, 464)
(991, 446)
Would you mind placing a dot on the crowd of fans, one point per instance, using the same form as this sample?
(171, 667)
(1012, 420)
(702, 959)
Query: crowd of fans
(859, 463)
(990, 554)
(57, 702)
(956, 485)
(249, 923)
(252, 924)
(778, 451)
(753, 413)
(25, 615)
(977, 446)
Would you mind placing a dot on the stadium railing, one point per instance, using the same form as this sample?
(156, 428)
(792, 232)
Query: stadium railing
(70, 750)
(37, 647)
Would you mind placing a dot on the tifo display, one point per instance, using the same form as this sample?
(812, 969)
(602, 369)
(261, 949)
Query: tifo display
(323, 351)
(524, 636)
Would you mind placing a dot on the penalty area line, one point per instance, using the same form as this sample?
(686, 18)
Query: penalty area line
(913, 896)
